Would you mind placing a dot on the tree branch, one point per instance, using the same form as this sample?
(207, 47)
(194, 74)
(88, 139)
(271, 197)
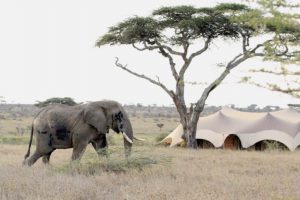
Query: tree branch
(158, 83)
(171, 62)
(232, 64)
(197, 53)
(294, 92)
(164, 53)
(169, 49)
(193, 55)
(245, 42)
(146, 47)
(282, 72)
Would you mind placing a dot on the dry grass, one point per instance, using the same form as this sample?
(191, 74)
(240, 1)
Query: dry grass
(148, 125)
(8, 126)
(170, 174)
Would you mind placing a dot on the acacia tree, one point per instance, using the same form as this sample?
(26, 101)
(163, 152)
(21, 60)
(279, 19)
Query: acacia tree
(172, 31)
(56, 100)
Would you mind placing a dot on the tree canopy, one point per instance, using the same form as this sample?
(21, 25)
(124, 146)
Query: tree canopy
(187, 23)
(56, 100)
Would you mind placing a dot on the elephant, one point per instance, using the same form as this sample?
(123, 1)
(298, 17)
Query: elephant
(60, 126)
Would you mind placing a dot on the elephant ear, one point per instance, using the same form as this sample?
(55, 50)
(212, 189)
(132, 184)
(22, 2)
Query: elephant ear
(96, 117)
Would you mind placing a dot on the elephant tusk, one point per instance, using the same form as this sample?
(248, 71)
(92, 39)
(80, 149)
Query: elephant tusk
(127, 138)
(138, 139)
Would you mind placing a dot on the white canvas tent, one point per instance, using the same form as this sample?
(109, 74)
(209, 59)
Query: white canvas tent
(282, 126)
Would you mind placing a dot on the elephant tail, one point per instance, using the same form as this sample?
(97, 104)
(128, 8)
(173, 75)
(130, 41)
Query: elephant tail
(30, 142)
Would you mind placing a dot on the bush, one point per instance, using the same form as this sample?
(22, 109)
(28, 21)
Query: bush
(114, 164)
(56, 100)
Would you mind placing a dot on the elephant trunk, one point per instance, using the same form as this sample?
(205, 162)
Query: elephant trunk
(128, 137)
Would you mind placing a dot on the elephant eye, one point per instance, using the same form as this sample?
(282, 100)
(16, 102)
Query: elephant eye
(119, 116)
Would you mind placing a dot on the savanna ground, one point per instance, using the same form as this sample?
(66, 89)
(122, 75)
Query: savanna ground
(152, 172)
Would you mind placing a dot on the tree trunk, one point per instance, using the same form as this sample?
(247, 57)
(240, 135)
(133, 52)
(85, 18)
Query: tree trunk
(190, 127)
(191, 135)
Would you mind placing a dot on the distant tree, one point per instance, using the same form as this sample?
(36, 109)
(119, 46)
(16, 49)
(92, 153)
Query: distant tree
(139, 105)
(252, 108)
(160, 125)
(172, 31)
(56, 100)
(2, 100)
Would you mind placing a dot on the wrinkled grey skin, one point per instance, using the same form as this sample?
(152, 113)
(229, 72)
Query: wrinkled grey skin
(61, 127)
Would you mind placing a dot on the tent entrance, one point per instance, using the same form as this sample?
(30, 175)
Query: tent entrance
(269, 145)
(232, 142)
(204, 144)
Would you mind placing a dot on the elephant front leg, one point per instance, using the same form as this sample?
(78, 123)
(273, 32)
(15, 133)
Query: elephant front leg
(100, 145)
(79, 146)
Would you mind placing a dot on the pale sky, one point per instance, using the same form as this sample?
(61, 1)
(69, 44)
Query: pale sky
(47, 50)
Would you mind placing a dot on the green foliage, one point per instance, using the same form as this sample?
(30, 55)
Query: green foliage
(14, 140)
(130, 31)
(181, 25)
(188, 23)
(232, 7)
(56, 100)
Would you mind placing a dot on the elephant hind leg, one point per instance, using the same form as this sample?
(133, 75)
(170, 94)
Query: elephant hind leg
(46, 158)
(32, 159)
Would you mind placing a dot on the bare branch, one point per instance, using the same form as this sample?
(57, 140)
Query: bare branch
(197, 53)
(169, 49)
(200, 103)
(245, 43)
(171, 61)
(164, 53)
(193, 55)
(294, 92)
(236, 61)
(259, 45)
(146, 47)
(282, 72)
(232, 64)
(158, 83)
(235, 58)
(259, 54)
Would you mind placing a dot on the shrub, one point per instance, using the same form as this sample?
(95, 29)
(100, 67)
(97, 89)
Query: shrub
(113, 164)
(56, 100)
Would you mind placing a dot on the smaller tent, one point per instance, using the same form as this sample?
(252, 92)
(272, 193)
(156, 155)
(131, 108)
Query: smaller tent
(223, 127)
